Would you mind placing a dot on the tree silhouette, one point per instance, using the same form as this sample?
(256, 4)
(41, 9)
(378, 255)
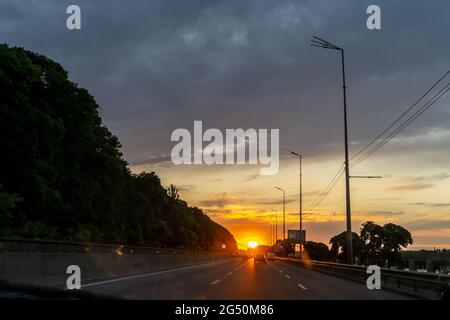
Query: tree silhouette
(63, 175)
(316, 250)
(375, 245)
(339, 246)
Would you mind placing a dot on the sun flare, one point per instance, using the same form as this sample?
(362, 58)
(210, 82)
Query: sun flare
(253, 244)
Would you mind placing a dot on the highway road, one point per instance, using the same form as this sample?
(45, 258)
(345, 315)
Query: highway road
(237, 279)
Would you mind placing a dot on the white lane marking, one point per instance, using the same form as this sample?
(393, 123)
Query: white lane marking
(288, 276)
(302, 286)
(281, 271)
(147, 274)
(215, 282)
(229, 273)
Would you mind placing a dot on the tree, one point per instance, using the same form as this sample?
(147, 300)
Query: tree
(375, 245)
(64, 176)
(7, 203)
(372, 235)
(383, 243)
(316, 250)
(395, 238)
(339, 246)
(173, 193)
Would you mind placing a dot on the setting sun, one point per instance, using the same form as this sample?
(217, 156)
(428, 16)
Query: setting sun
(253, 244)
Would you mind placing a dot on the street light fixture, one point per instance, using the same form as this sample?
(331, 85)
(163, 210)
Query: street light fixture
(284, 219)
(300, 200)
(318, 42)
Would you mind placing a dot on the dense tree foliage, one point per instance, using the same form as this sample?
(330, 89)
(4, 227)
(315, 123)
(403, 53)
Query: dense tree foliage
(338, 250)
(375, 244)
(315, 250)
(62, 175)
(383, 243)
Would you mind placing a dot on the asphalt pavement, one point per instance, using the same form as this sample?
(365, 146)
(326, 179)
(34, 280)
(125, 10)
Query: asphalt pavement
(237, 279)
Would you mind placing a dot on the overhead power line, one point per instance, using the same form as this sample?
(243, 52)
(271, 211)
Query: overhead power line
(327, 189)
(436, 97)
(381, 143)
(401, 116)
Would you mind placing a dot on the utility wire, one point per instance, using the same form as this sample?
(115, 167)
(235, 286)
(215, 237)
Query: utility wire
(401, 116)
(327, 192)
(421, 110)
(408, 121)
(327, 189)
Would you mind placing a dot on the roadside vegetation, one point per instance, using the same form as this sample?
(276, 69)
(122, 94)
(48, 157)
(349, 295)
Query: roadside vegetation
(62, 175)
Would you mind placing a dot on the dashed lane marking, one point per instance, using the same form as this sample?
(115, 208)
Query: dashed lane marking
(148, 274)
(215, 282)
(302, 286)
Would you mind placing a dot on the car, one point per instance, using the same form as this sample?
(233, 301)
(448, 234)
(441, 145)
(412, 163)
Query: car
(260, 257)
(271, 256)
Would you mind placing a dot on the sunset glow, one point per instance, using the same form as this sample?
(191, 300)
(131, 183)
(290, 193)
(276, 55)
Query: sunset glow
(242, 200)
(253, 244)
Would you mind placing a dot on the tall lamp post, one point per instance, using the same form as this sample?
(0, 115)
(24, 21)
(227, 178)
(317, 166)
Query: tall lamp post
(300, 200)
(276, 225)
(284, 219)
(273, 230)
(318, 42)
(270, 233)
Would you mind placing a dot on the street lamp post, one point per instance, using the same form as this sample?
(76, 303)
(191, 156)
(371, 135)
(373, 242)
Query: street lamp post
(300, 199)
(284, 219)
(273, 231)
(276, 225)
(270, 233)
(318, 42)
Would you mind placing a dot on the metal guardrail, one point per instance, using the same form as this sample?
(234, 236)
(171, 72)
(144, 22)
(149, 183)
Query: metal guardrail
(32, 245)
(421, 284)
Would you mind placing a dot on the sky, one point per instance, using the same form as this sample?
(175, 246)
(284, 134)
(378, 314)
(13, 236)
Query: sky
(155, 66)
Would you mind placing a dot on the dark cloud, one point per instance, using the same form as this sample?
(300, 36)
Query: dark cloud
(435, 177)
(155, 160)
(385, 213)
(413, 187)
(436, 224)
(431, 242)
(431, 204)
(186, 188)
(223, 199)
(274, 202)
(251, 177)
(218, 213)
(216, 202)
(154, 66)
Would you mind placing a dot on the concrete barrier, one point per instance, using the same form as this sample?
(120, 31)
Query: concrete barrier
(49, 268)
